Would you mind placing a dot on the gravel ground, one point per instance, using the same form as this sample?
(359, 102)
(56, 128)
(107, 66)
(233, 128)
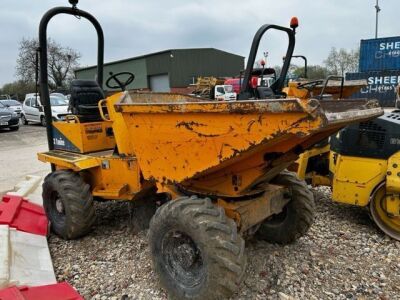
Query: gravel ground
(344, 256)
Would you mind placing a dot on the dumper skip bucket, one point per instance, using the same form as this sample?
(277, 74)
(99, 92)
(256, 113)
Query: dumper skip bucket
(177, 138)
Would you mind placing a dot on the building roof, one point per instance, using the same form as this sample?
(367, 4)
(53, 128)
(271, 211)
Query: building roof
(155, 53)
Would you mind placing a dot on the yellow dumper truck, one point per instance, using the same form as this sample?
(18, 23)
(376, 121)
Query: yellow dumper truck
(216, 169)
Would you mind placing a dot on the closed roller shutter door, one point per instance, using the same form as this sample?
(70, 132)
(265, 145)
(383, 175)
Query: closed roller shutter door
(159, 83)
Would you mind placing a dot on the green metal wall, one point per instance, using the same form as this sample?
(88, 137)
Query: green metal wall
(182, 65)
(159, 63)
(137, 67)
(190, 63)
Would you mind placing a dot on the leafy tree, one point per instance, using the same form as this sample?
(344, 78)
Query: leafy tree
(18, 89)
(278, 70)
(342, 61)
(61, 62)
(313, 72)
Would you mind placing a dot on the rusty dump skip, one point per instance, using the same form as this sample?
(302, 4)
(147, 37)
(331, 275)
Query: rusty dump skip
(334, 87)
(344, 109)
(181, 139)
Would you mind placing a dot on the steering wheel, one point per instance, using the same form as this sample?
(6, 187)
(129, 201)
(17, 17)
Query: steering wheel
(120, 84)
(309, 85)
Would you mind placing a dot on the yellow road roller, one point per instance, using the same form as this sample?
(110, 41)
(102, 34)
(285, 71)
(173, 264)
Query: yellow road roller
(360, 161)
(362, 165)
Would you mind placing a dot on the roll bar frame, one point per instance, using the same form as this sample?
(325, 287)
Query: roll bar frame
(277, 86)
(44, 80)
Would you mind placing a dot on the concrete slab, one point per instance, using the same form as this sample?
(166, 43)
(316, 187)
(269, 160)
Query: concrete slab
(24, 259)
(30, 188)
(4, 256)
(18, 155)
(30, 260)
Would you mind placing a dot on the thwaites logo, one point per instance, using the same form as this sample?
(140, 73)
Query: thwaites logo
(59, 141)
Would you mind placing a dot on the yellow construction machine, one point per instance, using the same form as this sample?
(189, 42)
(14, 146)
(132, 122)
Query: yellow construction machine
(214, 172)
(361, 164)
(360, 161)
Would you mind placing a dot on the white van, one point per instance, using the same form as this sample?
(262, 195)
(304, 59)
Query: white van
(32, 109)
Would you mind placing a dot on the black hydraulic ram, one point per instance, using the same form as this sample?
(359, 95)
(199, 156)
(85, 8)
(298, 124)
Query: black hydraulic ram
(44, 88)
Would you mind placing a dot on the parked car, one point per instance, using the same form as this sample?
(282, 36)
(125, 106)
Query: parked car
(8, 118)
(32, 109)
(14, 105)
(5, 97)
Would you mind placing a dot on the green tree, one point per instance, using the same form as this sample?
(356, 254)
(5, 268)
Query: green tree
(313, 72)
(18, 89)
(342, 61)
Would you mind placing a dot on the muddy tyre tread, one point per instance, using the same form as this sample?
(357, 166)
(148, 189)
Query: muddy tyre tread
(77, 200)
(224, 246)
(301, 209)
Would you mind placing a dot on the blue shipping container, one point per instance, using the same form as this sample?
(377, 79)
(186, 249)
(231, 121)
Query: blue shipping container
(380, 54)
(381, 86)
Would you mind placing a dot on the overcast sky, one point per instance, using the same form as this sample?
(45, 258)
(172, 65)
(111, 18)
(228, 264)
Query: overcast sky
(133, 27)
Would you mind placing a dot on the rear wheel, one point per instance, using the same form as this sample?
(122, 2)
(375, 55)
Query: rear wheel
(387, 223)
(297, 216)
(68, 203)
(24, 120)
(43, 121)
(196, 250)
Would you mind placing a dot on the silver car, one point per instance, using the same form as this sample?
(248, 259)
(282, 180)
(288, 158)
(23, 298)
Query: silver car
(14, 105)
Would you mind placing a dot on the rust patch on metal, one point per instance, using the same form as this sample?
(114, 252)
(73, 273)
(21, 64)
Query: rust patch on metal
(190, 125)
(251, 122)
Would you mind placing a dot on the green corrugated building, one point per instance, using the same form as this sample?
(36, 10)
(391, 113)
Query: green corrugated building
(171, 70)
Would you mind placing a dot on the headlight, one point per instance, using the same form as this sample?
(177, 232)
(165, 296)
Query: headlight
(14, 114)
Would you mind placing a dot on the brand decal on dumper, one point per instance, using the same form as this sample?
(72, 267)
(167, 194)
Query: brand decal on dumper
(62, 143)
(93, 129)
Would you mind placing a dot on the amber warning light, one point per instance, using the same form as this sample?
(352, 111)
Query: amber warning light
(294, 23)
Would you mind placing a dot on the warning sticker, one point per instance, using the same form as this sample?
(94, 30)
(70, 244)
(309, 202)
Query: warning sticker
(90, 129)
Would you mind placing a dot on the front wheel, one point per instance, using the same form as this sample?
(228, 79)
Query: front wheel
(43, 121)
(388, 223)
(196, 249)
(297, 216)
(24, 121)
(68, 203)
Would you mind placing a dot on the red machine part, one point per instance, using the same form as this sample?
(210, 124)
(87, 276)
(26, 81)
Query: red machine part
(59, 291)
(236, 83)
(18, 213)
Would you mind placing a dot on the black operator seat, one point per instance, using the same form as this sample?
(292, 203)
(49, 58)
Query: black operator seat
(264, 92)
(85, 96)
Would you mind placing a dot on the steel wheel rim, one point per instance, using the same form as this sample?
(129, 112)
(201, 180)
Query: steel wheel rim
(183, 259)
(57, 208)
(60, 206)
(389, 225)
